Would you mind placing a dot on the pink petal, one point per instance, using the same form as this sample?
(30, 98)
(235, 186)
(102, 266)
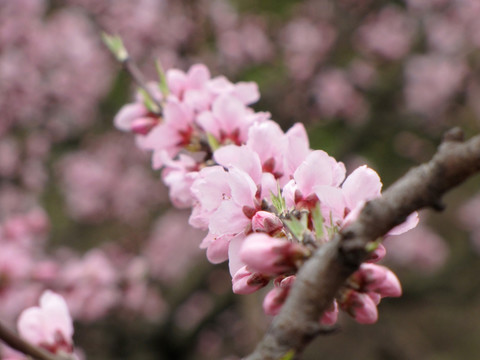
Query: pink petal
(229, 219)
(176, 80)
(127, 114)
(230, 113)
(243, 187)
(235, 263)
(247, 92)
(217, 251)
(240, 157)
(316, 169)
(331, 201)
(198, 75)
(362, 184)
(410, 223)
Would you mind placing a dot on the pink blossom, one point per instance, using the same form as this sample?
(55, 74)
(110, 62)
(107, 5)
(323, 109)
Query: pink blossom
(420, 249)
(179, 175)
(431, 81)
(180, 83)
(229, 120)
(49, 325)
(171, 135)
(388, 33)
(168, 235)
(336, 97)
(90, 285)
(306, 44)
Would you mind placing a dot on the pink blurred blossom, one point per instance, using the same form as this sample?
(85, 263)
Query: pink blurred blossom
(420, 249)
(306, 44)
(49, 325)
(387, 34)
(431, 81)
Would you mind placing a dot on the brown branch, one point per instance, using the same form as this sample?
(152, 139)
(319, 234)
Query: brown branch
(320, 278)
(19, 344)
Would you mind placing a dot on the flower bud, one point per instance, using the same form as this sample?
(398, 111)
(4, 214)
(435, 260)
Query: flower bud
(270, 256)
(389, 287)
(246, 282)
(267, 222)
(330, 316)
(275, 298)
(378, 279)
(143, 125)
(360, 306)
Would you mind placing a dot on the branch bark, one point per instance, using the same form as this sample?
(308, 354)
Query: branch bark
(320, 278)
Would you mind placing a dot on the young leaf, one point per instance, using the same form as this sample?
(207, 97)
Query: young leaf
(278, 201)
(318, 221)
(212, 142)
(162, 79)
(296, 227)
(289, 355)
(116, 47)
(148, 102)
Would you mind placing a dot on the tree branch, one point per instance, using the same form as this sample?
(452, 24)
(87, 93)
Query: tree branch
(320, 278)
(17, 343)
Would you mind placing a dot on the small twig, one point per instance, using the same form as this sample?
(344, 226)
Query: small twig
(118, 50)
(132, 69)
(19, 344)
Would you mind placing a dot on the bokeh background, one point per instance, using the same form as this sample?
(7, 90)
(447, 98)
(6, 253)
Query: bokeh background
(82, 213)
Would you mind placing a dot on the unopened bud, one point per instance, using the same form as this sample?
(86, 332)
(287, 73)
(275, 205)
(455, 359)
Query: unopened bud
(143, 125)
(270, 256)
(276, 297)
(360, 306)
(267, 222)
(246, 282)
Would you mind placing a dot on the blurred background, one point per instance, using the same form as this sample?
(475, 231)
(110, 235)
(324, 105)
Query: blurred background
(82, 213)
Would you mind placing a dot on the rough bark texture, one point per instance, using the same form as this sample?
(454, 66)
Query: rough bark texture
(323, 275)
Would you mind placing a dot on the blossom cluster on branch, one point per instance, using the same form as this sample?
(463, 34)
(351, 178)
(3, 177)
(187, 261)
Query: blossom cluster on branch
(267, 200)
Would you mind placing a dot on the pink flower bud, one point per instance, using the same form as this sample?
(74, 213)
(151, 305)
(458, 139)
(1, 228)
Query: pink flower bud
(270, 256)
(378, 279)
(377, 254)
(264, 221)
(331, 315)
(275, 298)
(246, 282)
(389, 287)
(143, 125)
(360, 306)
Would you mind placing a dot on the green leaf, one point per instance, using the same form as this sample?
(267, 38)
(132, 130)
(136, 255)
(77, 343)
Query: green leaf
(278, 201)
(212, 142)
(115, 45)
(318, 221)
(373, 245)
(162, 79)
(289, 355)
(296, 227)
(148, 102)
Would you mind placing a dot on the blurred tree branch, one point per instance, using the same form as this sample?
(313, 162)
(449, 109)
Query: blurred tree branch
(320, 278)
